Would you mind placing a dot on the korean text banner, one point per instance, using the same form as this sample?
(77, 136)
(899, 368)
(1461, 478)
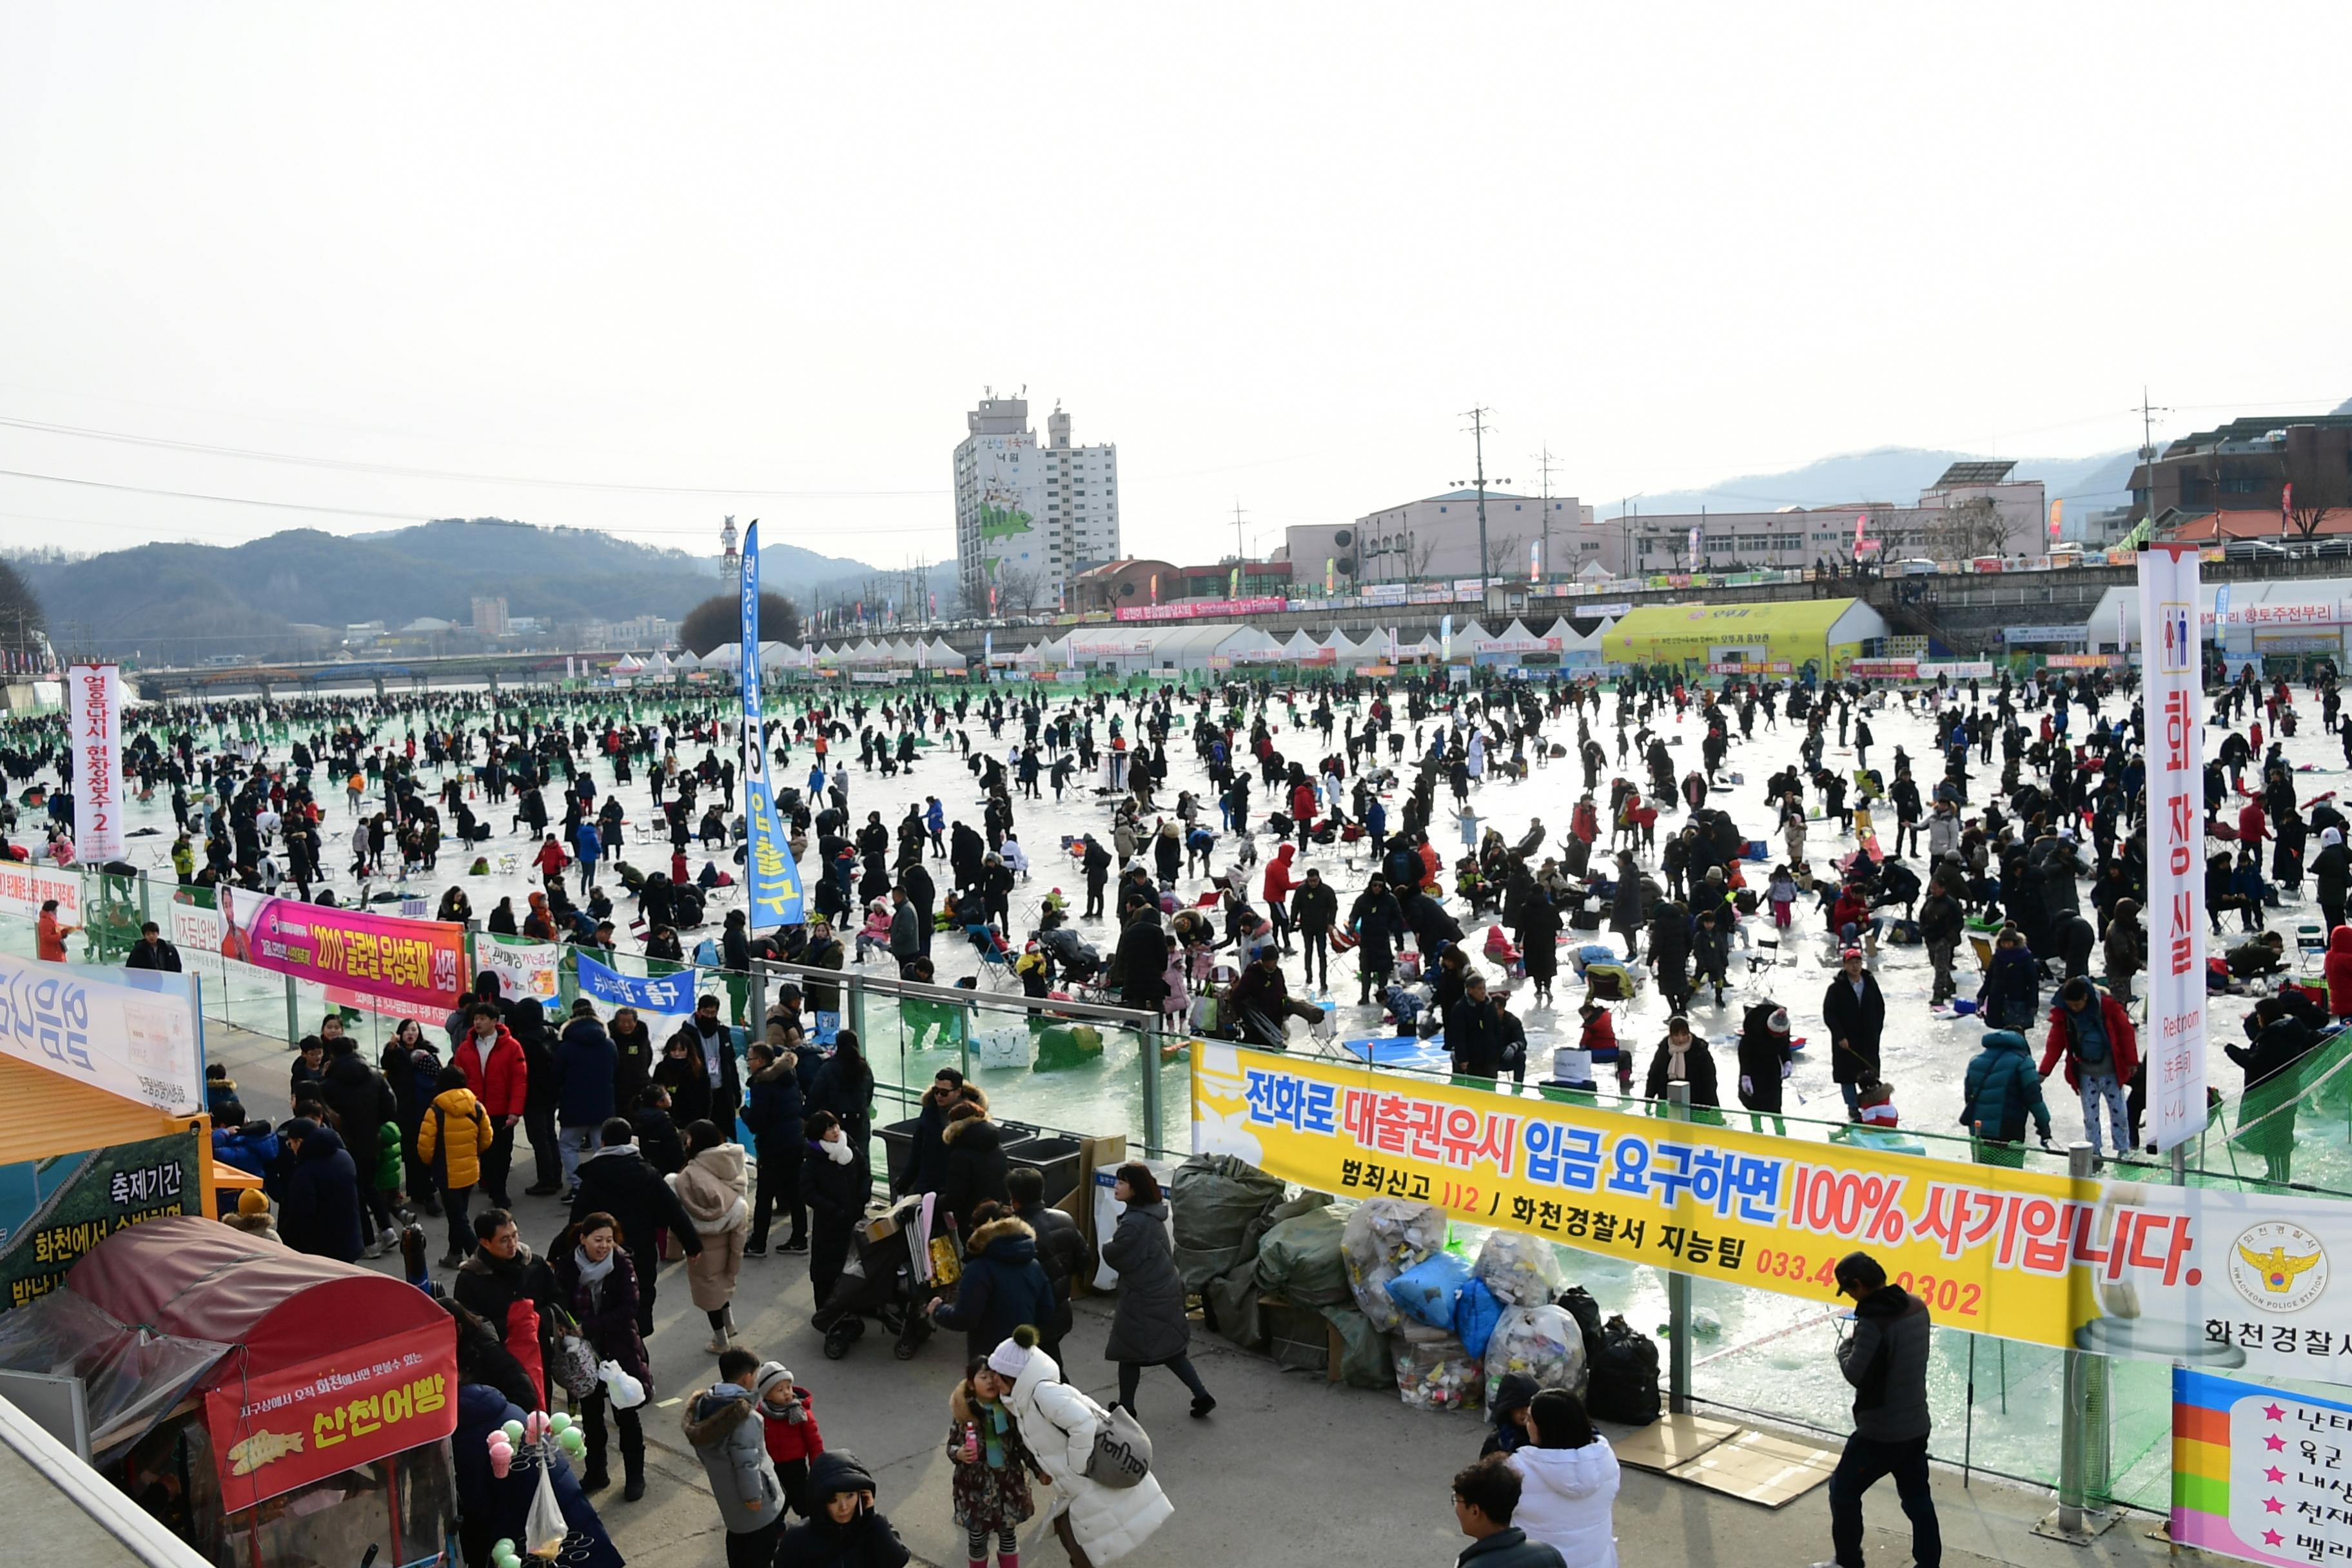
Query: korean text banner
(301, 1423)
(2221, 1279)
(422, 962)
(52, 1211)
(774, 885)
(526, 969)
(663, 995)
(131, 1032)
(2260, 1473)
(25, 888)
(2172, 661)
(94, 714)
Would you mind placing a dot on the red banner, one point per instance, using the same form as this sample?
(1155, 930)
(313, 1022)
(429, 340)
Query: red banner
(422, 962)
(288, 1428)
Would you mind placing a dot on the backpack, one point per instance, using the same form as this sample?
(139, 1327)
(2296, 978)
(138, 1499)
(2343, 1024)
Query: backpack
(1624, 1383)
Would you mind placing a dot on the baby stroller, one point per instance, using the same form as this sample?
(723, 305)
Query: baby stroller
(1077, 959)
(879, 1281)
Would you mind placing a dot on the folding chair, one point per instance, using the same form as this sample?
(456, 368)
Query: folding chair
(2311, 949)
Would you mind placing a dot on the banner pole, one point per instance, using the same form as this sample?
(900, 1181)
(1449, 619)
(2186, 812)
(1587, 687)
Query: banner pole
(1678, 1291)
(2080, 1166)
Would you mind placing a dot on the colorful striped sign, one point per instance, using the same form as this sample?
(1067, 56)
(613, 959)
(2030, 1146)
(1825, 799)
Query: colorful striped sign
(2259, 1472)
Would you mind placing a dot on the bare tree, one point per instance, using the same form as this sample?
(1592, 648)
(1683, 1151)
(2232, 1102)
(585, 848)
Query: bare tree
(1501, 551)
(1017, 588)
(1418, 553)
(1973, 527)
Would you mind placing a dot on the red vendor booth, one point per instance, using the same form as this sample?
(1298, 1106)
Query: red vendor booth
(324, 1427)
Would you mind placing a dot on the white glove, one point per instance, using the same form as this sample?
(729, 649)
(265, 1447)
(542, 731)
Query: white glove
(1746, 1084)
(1788, 1070)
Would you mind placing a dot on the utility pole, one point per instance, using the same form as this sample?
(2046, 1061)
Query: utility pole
(1544, 465)
(2148, 413)
(1477, 417)
(1240, 551)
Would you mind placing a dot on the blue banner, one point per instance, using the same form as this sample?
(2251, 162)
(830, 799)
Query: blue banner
(773, 880)
(668, 997)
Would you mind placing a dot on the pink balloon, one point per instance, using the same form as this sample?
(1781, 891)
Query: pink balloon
(502, 1461)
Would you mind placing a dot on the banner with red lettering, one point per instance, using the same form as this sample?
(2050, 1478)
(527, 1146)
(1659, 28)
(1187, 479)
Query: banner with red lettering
(420, 963)
(2172, 664)
(94, 712)
(288, 1428)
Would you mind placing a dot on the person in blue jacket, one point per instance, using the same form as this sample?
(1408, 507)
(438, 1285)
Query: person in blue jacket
(491, 1508)
(1003, 1285)
(2000, 1090)
(322, 1214)
(586, 1063)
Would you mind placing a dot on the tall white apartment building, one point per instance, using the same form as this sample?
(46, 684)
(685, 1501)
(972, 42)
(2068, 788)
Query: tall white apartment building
(1028, 517)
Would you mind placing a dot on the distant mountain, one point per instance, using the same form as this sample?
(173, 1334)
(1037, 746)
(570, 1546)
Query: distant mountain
(183, 603)
(1894, 474)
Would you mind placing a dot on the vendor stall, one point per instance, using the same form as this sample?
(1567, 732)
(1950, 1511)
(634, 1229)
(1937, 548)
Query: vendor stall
(303, 1415)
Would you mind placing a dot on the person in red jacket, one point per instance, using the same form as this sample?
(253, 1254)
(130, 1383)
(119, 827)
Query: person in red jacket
(1276, 887)
(1302, 809)
(788, 1424)
(492, 1061)
(2093, 1032)
(2253, 824)
(2339, 970)
(549, 860)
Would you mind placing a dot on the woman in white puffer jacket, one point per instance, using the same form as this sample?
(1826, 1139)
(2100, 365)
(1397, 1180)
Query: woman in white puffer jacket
(1096, 1524)
(1568, 1482)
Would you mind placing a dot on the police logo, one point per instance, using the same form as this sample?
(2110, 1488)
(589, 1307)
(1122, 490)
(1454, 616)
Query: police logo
(2277, 1266)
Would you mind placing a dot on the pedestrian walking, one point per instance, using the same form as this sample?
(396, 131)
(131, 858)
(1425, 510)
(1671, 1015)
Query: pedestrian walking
(715, 1191)
(597, 1279)
(722, 1426)
(1884, 1357)
(1149, 1327)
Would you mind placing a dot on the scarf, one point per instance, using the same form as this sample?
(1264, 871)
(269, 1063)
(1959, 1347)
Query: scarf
(995, 1425)
(836, 1151)
(594, 1275)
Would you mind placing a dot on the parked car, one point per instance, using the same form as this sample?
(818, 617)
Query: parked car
(2254, 550)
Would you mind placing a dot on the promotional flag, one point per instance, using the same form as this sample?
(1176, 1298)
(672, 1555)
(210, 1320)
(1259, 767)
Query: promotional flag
(2174, 1035)
(2057, 511)
(1235, 591)
(1535, 560)
(95, 701)
(773, 880)
(1331, 576)
(1446, 637)
(2286, 507)
(1693, 548)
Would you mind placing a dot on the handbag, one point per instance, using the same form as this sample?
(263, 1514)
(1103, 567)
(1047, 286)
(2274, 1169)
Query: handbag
(573, 1367)
(1122, 1455)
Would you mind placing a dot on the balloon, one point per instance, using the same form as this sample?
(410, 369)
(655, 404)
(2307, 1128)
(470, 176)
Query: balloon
(513, 1430)
(534, 1423)
(503, 1546)
(502, 1461)
(561, 1422)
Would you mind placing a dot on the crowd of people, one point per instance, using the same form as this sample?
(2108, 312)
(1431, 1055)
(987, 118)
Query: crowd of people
(1288, 824)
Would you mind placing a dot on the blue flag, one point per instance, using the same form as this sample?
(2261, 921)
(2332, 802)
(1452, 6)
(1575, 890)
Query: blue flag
(664, 997)
(773, 880)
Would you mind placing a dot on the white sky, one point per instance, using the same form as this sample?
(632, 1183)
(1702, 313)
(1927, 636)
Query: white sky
(1272, 251)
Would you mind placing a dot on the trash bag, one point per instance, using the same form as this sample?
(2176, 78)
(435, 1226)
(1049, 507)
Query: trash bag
(1521, 1270)
(1229, 1304)
(1214, 1199)
(1622, 1384)
(1426, 1291)
(1385, 1236)
(1476, 1311)
(1541, 1342)
(1367, 1364)
(1578, 1303)
(1434, 1371)
(1299, 1260)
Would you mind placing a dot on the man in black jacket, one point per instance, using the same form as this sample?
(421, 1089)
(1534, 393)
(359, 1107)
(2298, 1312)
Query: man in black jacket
(1940, 929)
(617, 1180)
(1060, 1249)
(152, 952)
(1379, 926)
(361, 1102)
(1314, 909)
(1886, 1358)
(1854, 1011)
(1474, 1036)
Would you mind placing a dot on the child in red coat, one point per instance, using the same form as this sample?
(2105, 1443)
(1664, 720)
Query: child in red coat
(788, 1423)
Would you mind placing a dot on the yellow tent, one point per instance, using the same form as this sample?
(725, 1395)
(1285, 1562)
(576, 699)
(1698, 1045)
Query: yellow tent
(1826, 632)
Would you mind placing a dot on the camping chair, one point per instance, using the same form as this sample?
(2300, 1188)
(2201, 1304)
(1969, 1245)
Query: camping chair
(995, 965)
(2311, 949)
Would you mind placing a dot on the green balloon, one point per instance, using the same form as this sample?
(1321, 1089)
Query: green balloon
(561, 1422)
(513, 1430)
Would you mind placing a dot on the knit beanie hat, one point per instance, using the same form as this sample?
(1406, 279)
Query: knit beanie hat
(252, 1201)
(1011, 1359)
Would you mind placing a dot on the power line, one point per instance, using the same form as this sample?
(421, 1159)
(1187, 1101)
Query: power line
(398, 470)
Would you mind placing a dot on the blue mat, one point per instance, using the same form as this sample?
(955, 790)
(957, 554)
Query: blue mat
(1393, 1048)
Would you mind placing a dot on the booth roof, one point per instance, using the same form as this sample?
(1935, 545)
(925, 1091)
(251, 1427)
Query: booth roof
(196, 1278)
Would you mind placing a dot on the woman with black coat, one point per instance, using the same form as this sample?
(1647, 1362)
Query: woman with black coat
(776, 1113)
(1683, 1057)
(682, 1072)
(836, 1185)
(975, 1166)
(1150, 1328)
(597, 1280)
(1764, 1062)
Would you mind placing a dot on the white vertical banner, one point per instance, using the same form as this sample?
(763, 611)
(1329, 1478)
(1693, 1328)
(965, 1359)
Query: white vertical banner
(2171, 658)
(94, 703)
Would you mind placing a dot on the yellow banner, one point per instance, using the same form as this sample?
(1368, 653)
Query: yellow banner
(1992, 1250)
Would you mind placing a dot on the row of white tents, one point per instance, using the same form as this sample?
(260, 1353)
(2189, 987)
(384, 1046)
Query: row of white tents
(1132, 647)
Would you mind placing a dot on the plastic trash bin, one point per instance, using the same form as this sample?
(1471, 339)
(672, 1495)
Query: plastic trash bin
(1051, 1155)
(898, 1148)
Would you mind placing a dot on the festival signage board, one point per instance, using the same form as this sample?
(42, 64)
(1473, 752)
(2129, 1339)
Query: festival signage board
(2173, 1040)
(52, 1211)
(660, 996)
(2219, 1279)
(1883, 668)
(24, 889)
(283, 1429)
(421, 963)
(772, 892)
(1204, 609)
(525, 968)
(94, 718)
(2260, 1473)
(131, 1032)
